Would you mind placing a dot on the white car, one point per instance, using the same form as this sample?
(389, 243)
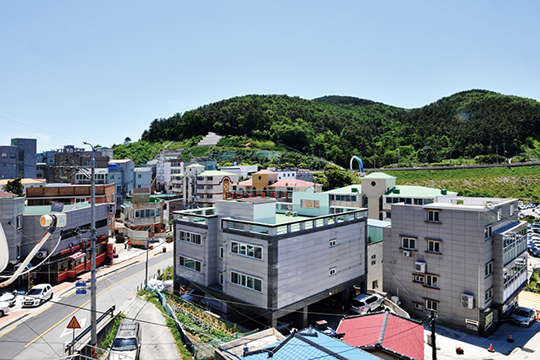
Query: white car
(37, 295)
(4, 308)
(523, 316)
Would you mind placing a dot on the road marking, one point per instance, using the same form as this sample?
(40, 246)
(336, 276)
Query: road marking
(42, 310)
(86, 303)
(13, 328)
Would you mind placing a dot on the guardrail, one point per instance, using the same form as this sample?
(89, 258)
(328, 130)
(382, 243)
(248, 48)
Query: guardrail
(69, 347)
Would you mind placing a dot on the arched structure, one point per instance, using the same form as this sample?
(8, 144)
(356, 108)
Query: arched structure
(354, 157)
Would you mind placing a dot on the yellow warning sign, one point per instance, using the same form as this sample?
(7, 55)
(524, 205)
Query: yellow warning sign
(74, 324)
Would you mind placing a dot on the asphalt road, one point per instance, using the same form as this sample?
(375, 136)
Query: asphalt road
(43, 334)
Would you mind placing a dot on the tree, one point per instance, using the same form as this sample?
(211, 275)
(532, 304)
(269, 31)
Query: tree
(15, 186)
(337, 177)
(127, 140)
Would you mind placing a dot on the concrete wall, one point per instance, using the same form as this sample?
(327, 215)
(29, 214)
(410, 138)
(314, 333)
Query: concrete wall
(304, 261)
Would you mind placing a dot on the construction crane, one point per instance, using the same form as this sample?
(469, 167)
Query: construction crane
(51, 221)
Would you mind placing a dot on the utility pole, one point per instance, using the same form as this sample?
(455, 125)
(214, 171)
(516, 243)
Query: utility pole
(93, 307)
(433, 345)
(497, 149)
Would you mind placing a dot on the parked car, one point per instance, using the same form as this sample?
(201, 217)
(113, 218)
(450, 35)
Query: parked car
(38, 294)
(127, 343)
(4, 308)
(534, 251)
(523, 316)
(364, 303)
(9, 296)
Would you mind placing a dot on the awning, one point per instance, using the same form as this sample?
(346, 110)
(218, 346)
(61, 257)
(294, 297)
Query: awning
(77, 255)
(118, 225)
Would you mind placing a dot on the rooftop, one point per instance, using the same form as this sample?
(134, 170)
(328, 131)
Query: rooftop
(120, 161)
(347, 190)
(390, 332)
(417, 191)
(216, 173)
(466, 203)
(378, 175)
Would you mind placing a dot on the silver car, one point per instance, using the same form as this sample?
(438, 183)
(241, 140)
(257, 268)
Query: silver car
(523, 316)
(364, 303)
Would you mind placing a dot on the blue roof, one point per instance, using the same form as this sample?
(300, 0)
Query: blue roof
(302, 346)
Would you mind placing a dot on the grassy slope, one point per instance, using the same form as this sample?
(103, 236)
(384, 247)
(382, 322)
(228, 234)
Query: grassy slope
(509, 182)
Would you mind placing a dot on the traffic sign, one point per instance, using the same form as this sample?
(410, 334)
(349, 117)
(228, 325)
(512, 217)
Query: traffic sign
(74, 324)
(80, 292)
(81, 284)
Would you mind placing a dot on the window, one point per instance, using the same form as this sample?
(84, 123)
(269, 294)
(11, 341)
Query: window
(418, 202)
(373, 262)
(489, 294)
(332, 271)
(419, 278)
(432, 305)
(190, 263)
(200, 187)
(409, 243)
(4, 155)
(332, 242)
(19, 251)
(488, 232)
(210, 186)
(512, 209)
(432, 281)
(209, 178)
(221, 279)
(375, 284)
(19, 222)
(488, 268)
(190, 237)
(248, 250)
(434, 246)
(499, 214)
(246, 281)
(433, 216)
(309, 203)
(209, 196)
(200, 178)
(418, 306)
(137, 213)
(221, 252)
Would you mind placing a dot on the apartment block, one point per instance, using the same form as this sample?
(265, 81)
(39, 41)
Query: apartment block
(267, 259)
(465, 258)
(18, 159)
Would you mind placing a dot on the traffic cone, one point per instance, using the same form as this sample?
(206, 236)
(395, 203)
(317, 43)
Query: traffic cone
(491, 348)
(342, 308)
(510, 340)
(537, 317)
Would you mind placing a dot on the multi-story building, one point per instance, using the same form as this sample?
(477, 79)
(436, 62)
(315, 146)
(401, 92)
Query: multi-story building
(464, 258)
(121, 174)
(18, 159)
(67, 252)
(267, 259)
(142, 215)
(69, 160)
(213, 185)
(167, 171)
(142, 177)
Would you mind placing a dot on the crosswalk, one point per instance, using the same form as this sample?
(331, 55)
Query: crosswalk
(529, 300)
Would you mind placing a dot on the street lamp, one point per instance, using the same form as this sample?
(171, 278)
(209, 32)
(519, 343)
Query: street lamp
(93, 306)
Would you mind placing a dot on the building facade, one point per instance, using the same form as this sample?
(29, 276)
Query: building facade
(276, 257)
(18, 159)
(464, 258)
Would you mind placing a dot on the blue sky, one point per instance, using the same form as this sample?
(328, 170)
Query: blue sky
(100, 71)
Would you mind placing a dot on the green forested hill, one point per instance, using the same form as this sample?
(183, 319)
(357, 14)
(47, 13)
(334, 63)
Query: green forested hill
(470, 123)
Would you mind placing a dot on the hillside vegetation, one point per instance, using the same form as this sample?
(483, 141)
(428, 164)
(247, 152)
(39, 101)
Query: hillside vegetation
(521, 182)
(470, 123)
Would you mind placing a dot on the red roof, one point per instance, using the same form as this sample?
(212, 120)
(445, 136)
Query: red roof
(400, 335)
(292, 183)
(5, 194)
(246, 183)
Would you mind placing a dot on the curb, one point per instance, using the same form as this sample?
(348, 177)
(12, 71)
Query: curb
(10, 323)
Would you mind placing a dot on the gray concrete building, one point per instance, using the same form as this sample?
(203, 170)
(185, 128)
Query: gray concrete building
(465, 258)
(265, 259)
(19, 159)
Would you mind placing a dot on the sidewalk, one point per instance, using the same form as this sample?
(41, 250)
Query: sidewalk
(125, 258)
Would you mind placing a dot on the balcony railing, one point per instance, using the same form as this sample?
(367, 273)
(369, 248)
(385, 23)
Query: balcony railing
(514, 245)
(292, 226)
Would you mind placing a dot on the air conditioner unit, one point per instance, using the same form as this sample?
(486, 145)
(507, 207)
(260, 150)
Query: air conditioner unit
(467, 301)
(41, 254)
(406, 253)
(420, 266)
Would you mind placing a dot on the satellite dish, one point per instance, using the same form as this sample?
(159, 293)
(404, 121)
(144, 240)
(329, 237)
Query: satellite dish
(4, 250)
